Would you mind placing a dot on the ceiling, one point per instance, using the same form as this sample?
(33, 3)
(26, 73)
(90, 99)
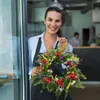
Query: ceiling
(83, 5)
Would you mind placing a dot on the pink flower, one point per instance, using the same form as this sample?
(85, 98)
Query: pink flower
(68, 77)
(61, 57)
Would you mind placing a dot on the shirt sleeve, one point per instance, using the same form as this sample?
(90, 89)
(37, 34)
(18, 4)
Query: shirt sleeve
(69, 48)
(30, 58)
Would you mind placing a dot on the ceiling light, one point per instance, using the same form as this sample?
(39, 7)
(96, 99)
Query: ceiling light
(55, 3)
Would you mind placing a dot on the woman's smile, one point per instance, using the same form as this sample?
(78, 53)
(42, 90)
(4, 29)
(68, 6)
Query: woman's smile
(52, 29)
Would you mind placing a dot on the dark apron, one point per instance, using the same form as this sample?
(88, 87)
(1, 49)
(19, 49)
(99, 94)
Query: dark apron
(36, 93)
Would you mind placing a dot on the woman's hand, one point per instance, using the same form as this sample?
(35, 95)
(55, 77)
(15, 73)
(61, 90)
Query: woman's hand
(34, 71)
(63, 43)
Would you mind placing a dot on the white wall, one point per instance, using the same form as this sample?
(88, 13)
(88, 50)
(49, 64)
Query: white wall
(97, 29)
(79, 21)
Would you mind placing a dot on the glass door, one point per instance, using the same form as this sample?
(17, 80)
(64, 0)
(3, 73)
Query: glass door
(13, 74)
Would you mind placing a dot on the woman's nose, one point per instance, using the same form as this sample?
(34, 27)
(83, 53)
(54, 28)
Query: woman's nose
(53, 23)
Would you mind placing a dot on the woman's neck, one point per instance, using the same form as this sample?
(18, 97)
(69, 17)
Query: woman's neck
(50, 37)
(49, 40)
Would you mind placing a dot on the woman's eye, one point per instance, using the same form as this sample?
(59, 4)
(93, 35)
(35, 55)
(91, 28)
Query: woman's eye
(49, 19)
(57, 20)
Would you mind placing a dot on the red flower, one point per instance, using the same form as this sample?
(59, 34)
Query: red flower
(59, 82)
(47, 80)
(73, 76)
(69, 63)
(57, 54)
(44, 61)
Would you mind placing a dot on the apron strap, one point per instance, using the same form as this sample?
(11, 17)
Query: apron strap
(56, 45)
(37, 52)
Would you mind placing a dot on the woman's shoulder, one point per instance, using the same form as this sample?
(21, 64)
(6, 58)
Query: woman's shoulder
(32, 41)
(34, 38)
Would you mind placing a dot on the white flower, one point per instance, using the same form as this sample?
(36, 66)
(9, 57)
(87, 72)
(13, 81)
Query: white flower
(50, 70)
(73, 82)
(56, 79)
(61, 89)
(68, 72)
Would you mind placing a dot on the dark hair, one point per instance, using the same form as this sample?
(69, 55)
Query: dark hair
(76, 33)
(54, 8)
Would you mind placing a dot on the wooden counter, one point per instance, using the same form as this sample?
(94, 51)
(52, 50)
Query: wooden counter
(88, 47)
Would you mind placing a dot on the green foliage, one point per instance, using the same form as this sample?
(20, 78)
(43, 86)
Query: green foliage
(58, 84)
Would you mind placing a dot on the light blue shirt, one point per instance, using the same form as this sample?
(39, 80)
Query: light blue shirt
(74, 42)
(32, 44)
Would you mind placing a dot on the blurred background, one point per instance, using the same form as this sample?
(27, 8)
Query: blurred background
(82, 16)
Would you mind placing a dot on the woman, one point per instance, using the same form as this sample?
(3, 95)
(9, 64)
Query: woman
(53, 22)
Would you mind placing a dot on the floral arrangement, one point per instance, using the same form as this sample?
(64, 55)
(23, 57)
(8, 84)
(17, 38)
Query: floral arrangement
(55, 83)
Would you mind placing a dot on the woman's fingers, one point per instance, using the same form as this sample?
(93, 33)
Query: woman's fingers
(61, 39)
(34, 71)
(63, 42)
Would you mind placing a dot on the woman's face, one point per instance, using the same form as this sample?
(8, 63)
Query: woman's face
(53, 22)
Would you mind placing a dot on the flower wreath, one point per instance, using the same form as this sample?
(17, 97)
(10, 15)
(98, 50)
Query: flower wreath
(58, 84)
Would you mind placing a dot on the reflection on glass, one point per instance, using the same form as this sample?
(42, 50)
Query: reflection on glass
(9, 51)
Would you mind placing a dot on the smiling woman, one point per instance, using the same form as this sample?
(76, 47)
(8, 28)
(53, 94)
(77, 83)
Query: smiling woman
(44, 42)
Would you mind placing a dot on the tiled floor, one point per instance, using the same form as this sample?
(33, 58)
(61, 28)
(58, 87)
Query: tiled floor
(91, 92)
